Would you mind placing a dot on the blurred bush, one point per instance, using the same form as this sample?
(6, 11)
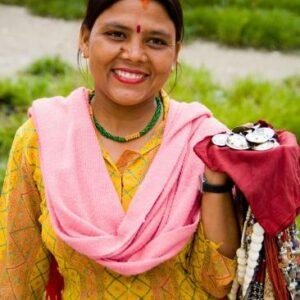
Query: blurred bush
(292, 5)
(53, 66)
(66, 9)
(270, 29)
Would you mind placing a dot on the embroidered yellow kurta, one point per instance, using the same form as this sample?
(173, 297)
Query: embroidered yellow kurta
(28, 242)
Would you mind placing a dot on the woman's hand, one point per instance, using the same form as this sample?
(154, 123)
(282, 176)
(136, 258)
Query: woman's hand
(214, 177)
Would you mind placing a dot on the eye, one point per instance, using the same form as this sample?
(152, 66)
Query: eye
(156, 43)
(116, 35)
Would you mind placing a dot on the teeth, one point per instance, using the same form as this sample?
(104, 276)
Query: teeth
(128, 75)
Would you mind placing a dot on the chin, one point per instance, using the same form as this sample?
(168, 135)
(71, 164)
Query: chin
(128, 99)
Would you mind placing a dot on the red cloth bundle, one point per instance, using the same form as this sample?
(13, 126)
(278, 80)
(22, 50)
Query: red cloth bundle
(270, 180)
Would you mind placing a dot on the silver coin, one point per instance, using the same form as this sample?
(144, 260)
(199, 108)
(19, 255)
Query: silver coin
(220, 139)
(266, 146)
(237, 142)
(260, 135)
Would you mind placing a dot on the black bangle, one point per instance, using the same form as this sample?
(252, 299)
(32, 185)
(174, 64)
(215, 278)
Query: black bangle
(215, 188)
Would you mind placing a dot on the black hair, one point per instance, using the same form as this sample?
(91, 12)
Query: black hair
(173, 7)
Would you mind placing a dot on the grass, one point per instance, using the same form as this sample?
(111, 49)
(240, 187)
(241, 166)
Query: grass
(268, 24)
(65, 9)
(241, 27)
(290, 5)
(247, 100)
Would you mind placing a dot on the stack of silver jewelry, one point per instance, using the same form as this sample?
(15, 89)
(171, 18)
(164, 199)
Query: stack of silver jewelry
(250, 257)
(248, 284)
(289, 252)
(256, 138)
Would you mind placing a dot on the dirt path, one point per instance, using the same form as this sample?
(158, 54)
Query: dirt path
(24, 38)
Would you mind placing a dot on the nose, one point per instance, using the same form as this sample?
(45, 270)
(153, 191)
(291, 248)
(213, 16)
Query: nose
(134, 50)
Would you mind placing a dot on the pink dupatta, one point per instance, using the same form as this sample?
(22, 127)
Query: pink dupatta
(84, 207)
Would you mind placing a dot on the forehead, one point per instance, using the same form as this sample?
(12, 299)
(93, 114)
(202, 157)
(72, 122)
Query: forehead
(133, 12)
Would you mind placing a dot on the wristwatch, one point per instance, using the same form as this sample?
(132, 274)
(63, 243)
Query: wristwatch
(215, 188)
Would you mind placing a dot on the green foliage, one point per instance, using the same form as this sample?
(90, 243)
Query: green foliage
(270, 29)
(66, 9)
(14, 2)
(36, 81)
(13, 94)
(53, 66)
(291, 5)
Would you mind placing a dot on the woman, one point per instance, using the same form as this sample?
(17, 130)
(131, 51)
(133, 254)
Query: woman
(106, 182)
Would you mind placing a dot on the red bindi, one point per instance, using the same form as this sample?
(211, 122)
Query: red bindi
(138, 28)
(145, 3)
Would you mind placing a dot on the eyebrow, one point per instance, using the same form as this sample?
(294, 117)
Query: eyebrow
(116, 25)
(161, 32)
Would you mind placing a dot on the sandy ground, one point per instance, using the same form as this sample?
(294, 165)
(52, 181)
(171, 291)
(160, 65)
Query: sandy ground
(24, 38)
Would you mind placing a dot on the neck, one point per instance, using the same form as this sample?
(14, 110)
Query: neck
(122, 120)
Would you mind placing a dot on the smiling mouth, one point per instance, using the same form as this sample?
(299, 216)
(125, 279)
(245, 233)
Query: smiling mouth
(129, 76)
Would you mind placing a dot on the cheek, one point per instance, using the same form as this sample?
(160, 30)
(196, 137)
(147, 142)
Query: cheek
(163, 62)
(101, 53)
(163, 66)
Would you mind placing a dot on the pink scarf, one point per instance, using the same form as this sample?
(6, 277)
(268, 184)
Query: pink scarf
(84, 207)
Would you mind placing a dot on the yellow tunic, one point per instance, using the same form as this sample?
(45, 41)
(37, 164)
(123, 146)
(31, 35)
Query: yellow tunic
(27, 239)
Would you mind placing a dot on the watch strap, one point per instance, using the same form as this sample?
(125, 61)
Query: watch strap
(215, 188)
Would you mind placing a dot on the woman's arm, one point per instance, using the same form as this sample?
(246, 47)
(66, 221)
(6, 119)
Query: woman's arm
(210, 261)
(24, 261)
(218, 216)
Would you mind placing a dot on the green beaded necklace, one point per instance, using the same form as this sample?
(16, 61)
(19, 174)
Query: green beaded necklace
(134, 136)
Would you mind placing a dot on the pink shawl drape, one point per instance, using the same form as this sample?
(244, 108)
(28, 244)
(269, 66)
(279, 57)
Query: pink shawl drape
(84, 207)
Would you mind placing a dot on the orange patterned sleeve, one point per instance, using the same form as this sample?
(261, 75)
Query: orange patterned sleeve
(209, 268)
(24, 261)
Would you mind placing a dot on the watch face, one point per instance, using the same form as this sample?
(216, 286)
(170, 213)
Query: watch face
(220, 139)
(237, 142)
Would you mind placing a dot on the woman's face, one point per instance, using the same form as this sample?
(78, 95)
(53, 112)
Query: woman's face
(131, 50)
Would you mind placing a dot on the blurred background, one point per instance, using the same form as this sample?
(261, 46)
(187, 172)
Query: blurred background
(241, 58)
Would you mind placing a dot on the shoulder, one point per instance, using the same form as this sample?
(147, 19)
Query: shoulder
(193, 111)
(201, 119)
(188, 107)
(48, 111)
(26, 133)
(78, 95)
(26, 141)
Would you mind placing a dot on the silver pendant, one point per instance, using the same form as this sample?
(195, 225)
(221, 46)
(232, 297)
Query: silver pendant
(237, 142)
(220, 139)
(242, 138)
(260, 135)
(266, 146)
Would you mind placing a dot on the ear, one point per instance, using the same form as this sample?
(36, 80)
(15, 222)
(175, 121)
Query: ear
(177, 49)
(84, 41)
